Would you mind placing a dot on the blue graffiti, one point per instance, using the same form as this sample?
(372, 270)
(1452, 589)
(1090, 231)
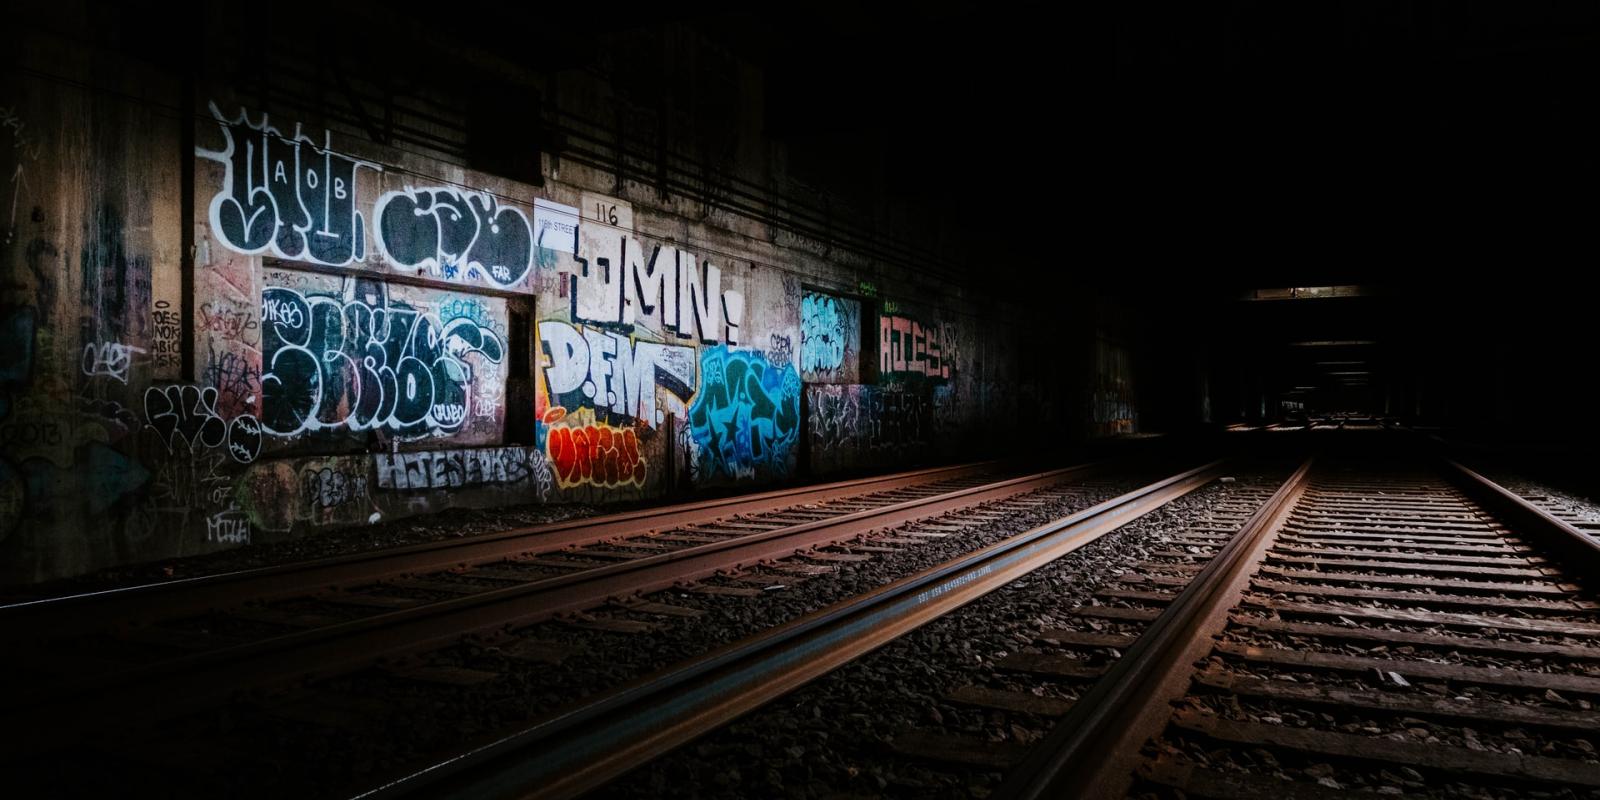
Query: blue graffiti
(16, 358)
(822, 333)
(746, 418)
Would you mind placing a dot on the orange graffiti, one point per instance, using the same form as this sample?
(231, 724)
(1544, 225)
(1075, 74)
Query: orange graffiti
(554, 415)
(598, 455)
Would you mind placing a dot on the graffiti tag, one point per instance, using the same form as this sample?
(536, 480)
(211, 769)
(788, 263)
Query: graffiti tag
(454, 469)
(366, 362)
(285, 195)
(189, 414)
(612, 372)
(746, 417)
(597, 455)
(109, 359)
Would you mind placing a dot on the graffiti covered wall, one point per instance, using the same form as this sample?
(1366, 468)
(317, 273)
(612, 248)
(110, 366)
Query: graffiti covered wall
(1113, 407)
(99, 449)
(342, 357)
(234, 327)
(830, 338)
(860, 427)
(911, 348)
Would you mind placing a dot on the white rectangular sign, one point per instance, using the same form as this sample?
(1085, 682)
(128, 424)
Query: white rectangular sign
(555, 226)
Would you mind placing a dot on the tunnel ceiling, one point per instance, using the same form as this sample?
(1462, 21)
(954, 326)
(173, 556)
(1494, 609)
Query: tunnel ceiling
(1220, 148)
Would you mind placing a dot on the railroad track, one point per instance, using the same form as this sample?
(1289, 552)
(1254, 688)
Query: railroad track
(1569, 510)
(1406, 632)
(190, 644)
(590, 743)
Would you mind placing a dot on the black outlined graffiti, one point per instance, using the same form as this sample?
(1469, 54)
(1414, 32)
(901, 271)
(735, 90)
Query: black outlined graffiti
(613, 373)
(453, 469)
(189, 414)
(285, 195)
(449, 232)
(366, 362)
(746, 418)
(615, 284)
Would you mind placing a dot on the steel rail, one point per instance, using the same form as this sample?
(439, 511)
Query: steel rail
(171, 687)
(588, 745)
(102, 610)
(1092, 750)
(1576, 547)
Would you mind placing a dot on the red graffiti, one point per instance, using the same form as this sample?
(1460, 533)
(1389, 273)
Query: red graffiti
(598, 455)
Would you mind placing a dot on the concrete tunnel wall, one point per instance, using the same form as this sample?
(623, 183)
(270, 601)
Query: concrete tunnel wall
(225, 326)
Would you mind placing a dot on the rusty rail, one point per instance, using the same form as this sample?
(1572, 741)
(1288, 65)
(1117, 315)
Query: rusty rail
(171, 687)
(1095, 748)
(586, 746)
(1575, 546)
(1090, 749)
(101, 610)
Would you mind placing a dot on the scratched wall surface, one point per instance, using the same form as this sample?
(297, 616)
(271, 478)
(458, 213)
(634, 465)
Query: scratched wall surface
(362, 332)
(85, 478)
(862, 426)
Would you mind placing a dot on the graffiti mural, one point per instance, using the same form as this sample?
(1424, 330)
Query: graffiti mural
(289, 197)
(908, 347)
(855, 426)
(1113, 406)
(613, 373)
(359, 359)
(745, 420)
(285, 196)
(830, 339)
(329, 488)
(455, 234)
(189, 492)
(593, 455)
(617, 285)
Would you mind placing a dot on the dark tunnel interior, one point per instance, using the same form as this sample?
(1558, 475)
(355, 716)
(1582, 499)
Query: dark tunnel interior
(712, 399)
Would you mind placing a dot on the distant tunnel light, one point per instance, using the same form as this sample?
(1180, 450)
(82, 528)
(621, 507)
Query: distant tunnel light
(1340, 363)
(1334, 343)
(1306, 293)
(1351, 372)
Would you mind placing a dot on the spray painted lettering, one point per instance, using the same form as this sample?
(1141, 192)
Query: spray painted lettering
(285, 195)
(452, 469)
(168, 335)
(189, 414)
(366, 362)
(447, 231)
(746, 417)
(613, 286)
(612, 372)
(329, 488)
(830, 339)
(230, 322)
(910, 348)
(594, 455)
(109, 359)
